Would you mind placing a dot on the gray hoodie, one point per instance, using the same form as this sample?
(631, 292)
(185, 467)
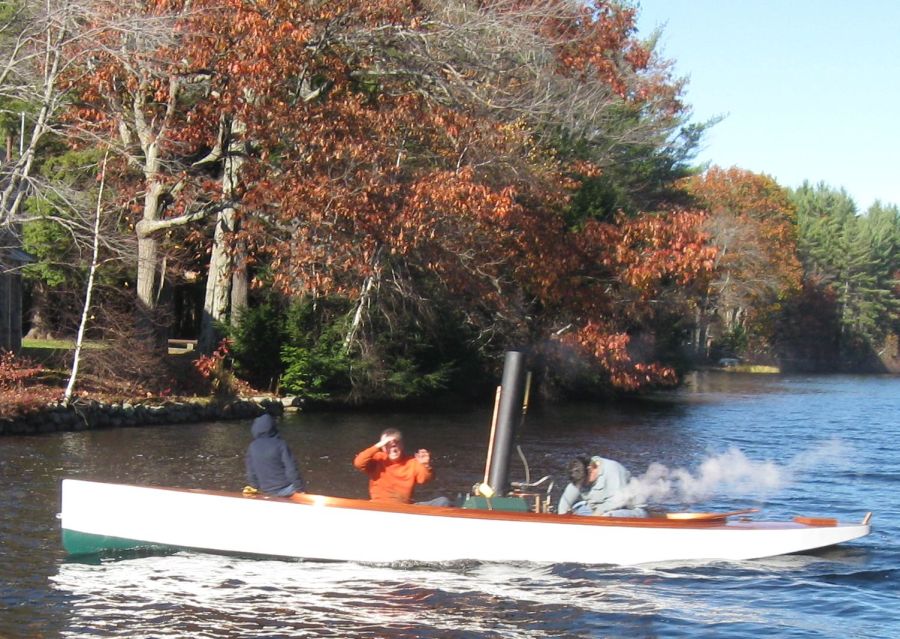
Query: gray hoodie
(270, 465)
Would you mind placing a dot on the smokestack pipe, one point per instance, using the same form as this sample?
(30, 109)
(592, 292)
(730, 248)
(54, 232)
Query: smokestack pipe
(509, 415)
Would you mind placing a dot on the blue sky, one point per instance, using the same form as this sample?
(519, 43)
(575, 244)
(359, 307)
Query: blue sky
(810, 88)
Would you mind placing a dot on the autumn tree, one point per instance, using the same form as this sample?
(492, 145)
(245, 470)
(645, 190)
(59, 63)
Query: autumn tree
(419, 145)
(436, 156)
(427, 148)
(136, 95)
(43, 204)
(752, 223)
(499, 60)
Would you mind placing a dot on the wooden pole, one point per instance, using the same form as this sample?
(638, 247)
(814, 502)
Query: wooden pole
(487, 464)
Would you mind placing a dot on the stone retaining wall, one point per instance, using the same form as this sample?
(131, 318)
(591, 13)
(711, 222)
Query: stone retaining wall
(86, 415)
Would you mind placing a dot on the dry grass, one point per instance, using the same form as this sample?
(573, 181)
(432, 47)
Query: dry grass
(121, 370)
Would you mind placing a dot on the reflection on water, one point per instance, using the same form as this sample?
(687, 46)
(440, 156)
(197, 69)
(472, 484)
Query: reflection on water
(836, 437)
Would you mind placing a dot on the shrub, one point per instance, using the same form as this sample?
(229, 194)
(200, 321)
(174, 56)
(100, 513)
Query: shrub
(214, 368)
(15, 370)
(256, 344)
(400, 352)
(732, 343)
(21, 387)
(316, 364)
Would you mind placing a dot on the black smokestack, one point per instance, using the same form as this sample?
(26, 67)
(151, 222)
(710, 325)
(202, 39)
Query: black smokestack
(509, 414)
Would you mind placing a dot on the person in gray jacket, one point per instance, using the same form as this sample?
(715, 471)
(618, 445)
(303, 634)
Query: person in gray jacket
(271, 468)
(598, 486)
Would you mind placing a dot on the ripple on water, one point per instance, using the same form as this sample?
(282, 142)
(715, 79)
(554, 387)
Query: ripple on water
(215, 596)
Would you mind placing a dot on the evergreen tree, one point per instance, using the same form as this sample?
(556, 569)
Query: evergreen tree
(855, 257)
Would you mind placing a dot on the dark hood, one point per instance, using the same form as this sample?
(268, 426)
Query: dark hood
(264, 426)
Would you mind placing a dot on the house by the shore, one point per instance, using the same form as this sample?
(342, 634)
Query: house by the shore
(12, 259)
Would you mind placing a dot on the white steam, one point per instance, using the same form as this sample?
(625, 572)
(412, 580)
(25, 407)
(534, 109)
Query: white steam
(729, 474)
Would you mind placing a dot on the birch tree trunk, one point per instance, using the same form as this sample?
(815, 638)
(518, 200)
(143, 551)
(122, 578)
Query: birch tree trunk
(89, 290)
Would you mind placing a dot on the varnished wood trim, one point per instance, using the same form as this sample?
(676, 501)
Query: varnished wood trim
(700, 520)
(816, 521)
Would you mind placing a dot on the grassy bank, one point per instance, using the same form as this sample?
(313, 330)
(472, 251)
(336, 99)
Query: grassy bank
(108, 372)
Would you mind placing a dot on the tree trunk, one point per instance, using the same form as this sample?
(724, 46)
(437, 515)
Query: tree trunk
(148, 247)
(368, 288)
(218, 282)
(240, 284)
(89, 289)
(39, 324)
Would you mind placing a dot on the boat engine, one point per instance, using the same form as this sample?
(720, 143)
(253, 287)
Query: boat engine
(511, 402)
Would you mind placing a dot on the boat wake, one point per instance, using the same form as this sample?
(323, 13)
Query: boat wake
(222, 596)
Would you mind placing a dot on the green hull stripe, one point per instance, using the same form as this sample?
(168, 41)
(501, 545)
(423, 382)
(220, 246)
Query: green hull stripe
(507, 504)
(80, 543)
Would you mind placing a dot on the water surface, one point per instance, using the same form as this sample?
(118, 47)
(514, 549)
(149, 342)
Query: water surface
(819, 446)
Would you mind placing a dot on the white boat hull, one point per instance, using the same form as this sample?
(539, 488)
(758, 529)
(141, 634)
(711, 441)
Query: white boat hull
(325, 528)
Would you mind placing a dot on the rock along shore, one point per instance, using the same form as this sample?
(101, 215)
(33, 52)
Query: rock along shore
(91, 414)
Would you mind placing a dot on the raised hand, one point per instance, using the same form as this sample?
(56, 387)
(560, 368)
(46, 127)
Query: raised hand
(385, 440)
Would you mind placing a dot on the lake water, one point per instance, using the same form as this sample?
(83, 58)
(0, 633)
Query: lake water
(818, 446)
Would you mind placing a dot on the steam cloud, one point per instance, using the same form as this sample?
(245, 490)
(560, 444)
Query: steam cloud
(729, 474)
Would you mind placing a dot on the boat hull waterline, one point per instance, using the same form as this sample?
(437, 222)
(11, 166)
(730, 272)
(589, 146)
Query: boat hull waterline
(98, 517)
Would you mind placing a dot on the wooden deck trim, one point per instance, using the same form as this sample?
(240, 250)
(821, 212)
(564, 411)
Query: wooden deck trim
(829, 522)
(697, 520)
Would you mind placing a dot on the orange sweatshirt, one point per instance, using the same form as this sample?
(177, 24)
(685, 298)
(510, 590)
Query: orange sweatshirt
(391, 481)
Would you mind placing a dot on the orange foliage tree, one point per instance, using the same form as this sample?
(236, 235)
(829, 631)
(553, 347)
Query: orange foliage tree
(634, 276)
(132, 93)
(752, 222)
(417, 144)
(433, 162)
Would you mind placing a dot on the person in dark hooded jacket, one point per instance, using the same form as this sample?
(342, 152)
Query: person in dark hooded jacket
(271, 467)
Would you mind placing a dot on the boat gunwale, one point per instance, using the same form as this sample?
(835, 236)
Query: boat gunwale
(700, 521)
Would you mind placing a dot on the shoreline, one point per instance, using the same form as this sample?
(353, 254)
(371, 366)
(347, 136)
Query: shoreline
(83, 415)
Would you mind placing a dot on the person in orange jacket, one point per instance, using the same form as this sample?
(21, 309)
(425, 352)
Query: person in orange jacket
(394, 475)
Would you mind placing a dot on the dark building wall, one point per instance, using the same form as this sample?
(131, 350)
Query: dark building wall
(10, 311)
